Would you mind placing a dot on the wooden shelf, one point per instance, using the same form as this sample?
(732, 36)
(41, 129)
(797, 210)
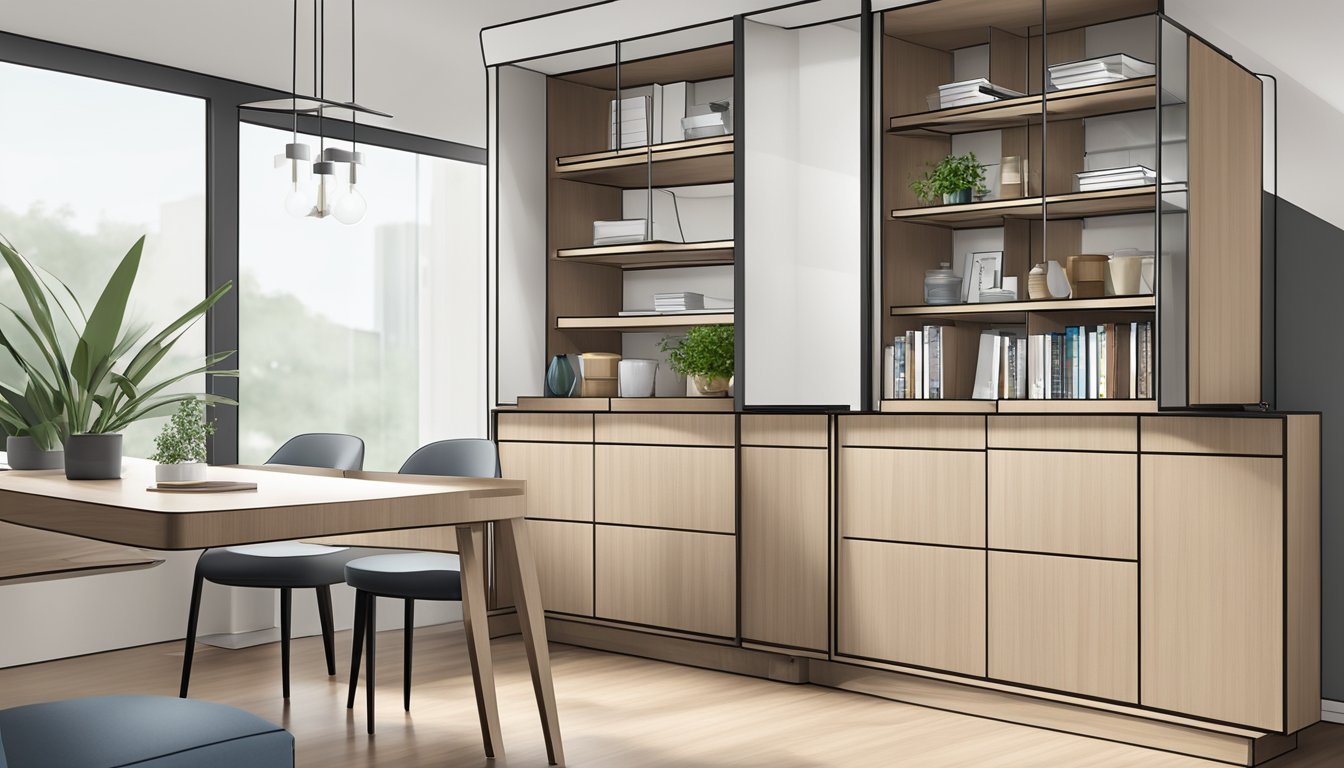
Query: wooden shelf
(1018, 406)
(643, 323)
(652, 255)
(938, 406)
(627, 404)
(1046, 305)
(1073, 205)
(681, 163)
(1110, 98)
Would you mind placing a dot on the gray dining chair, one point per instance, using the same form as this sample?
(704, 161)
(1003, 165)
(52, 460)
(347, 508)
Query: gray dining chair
(284, 565)
(411, 576)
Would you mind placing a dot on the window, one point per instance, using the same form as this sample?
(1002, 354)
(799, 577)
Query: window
(87, 167)
(375, 329)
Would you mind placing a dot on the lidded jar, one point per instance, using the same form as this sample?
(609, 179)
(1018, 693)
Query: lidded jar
(942, 286)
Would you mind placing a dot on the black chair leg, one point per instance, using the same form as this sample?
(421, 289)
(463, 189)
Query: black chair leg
(370, 633)
(356, 647)
(328, 633)
(286, 606)
(410, 640)
(193, 613)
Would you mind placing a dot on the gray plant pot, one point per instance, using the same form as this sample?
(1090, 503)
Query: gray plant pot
(93, 457)
(23, 453)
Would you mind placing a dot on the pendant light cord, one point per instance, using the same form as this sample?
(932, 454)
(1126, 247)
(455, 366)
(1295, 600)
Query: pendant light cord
(294, 75)
(354, 116)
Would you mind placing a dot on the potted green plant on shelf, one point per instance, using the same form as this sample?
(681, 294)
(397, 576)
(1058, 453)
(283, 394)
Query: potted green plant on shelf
(705, 354)
(33, 425)
(180, 447)
(954, 179)
(95, 391)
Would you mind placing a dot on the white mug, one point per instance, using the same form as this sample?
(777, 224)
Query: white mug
(636, 377)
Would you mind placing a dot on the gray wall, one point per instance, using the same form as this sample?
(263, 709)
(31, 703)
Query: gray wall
(1310, 376)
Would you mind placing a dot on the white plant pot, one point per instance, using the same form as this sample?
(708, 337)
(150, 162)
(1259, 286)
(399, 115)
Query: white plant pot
(192, 472)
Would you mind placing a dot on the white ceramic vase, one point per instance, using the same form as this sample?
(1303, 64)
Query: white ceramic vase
(637, 377)
(189, 472)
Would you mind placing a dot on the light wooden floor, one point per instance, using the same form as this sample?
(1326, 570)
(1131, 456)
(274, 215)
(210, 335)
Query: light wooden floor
(615, 711)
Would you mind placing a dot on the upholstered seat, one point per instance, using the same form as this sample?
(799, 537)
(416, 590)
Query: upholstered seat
(410, 576)
(140, 731)
(276, 565)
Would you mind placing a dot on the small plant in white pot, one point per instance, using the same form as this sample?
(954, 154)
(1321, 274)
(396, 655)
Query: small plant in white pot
(180, 447)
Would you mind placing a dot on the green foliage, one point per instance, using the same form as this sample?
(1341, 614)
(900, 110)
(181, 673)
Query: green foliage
(949, 176)
(183, 438)
(94, 389)
(706, 350)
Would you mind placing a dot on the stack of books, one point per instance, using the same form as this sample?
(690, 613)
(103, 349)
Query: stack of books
(1098, 71)
(680, 301)
(1116, 178)
(632, 118)
(619, 231)
(1111, 361)
(977, 91)
(933, 363)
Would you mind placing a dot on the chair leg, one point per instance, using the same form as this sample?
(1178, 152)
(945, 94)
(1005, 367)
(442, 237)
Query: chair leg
(370, 633)
(357, 646)
(193, 613)
(286, 606)
(410, 640)
(328, 633)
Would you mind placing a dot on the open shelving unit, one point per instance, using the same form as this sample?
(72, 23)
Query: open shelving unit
(588, 286)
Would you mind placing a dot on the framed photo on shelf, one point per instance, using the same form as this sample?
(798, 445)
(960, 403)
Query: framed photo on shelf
(984, 271)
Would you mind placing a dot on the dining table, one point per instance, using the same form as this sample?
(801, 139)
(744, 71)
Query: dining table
(51, 527)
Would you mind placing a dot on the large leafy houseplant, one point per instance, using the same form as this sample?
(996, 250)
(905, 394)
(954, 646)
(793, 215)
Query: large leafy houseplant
(82, 377)
(706, 354)
(953, 179)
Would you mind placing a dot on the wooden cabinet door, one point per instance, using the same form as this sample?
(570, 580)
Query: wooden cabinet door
(668, 579)
(1211, 590)
(559, 478)
(910, 604)
(785, 538)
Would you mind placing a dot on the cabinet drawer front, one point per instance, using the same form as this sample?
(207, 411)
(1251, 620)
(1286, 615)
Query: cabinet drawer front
(1065, 433)
(804, 431)
(669, 579)
(666, 487)
(1065, 623)
(1211, 595)
(785, 546)
(914, 431)
(555, 427)
(927, 497)
(909, 604)
(564, 556)
(1069, 503)
(1193, 434)
(559, 478)
(667, 428)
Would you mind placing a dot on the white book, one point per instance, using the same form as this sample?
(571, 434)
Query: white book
(674, 109)
(889, 373)
(1102, 362)
(1036, 366)
(921, 375)
(1133, 359)
(1020, 390)
(987, 368)
(1092, 364)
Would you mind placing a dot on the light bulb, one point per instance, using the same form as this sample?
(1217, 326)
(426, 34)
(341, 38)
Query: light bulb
(323, 206)
(351, 207)
(297, 202)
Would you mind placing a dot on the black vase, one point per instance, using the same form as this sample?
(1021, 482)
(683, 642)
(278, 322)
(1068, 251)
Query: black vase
(93, 457)
(24, 453)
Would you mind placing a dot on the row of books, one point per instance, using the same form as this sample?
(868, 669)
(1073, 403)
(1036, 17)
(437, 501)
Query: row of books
(1115, 178)
(1108, 361)
(1098, 71)
(654, 118)
(964, 92)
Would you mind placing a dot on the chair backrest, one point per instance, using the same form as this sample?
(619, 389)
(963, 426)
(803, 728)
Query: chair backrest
(321, 449)
(3, 762)
(467, 457)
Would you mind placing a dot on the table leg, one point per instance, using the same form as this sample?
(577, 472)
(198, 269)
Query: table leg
(532, 622)
(470, 546)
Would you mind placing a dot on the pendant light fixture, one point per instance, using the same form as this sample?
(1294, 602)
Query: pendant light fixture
(336, 170)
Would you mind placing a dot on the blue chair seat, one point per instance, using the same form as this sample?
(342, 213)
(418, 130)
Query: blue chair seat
(411, 576)
(143, 731)
(277, 565)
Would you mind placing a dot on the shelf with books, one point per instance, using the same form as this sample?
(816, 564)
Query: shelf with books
(1092, 101)
(1018, 307)
(652, 255)
(1073, 205)
(678, 163)
(643, 323)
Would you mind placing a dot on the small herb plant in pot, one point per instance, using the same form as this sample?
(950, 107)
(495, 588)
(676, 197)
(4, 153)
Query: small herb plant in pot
(705, 354)
(180, 447)
(954, 179)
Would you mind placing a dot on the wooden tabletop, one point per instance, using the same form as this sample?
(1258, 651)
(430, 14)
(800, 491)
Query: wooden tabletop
(285, 505)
